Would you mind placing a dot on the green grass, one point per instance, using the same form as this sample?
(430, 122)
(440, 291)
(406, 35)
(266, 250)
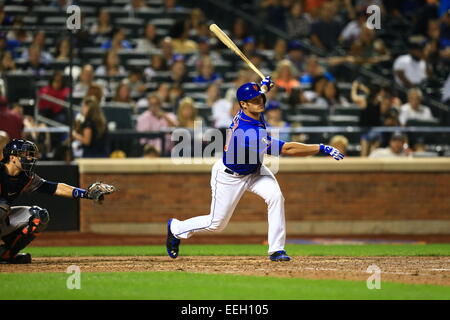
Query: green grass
(249, 250)
(192, 286)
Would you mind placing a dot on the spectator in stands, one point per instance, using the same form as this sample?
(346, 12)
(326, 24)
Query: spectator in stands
(220, 107)
(96, 90)
(279, 50)
(413, 109)
(111, 65)
(296, 55)
(150, 40)
(249, 46)
(150, 151)
(313, 72)
(34, 63)
(339, 142)
(45, 57)
(420, 150)
(331, 97)
(364, 98)
(157, 63)
(194, 23)
(274, 119)
(325, 31)
(63, 50)
(178, 72)
(397, 148)
(239, 31)
(10, 122)
(155, 119)
(352, 30)
(58, 89)
(445, 30)
(5, 20)
(19, 34)
(298, 22)
(102, 27)
(118, 41)
(167, 49)
(135, 6)
(4, 139)
(176, 93)
(7, 63)
(41, 139)
(204, 51)
(85, 80)
(274, 13)
(123, 95)
(187, 113)
(93, 131)
(286, 75)
(411, 69)
(61, 4)
(367, 50)
(135, 82)
(180, 41)
(206, 73)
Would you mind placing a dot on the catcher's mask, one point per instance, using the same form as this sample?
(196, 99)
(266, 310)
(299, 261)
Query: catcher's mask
(25, 150)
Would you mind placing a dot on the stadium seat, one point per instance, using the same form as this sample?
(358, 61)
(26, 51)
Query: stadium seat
(343, 120)
(306, 120)
(349, 111)
(117, 12)
(313, 110)
(133, 24)
(55, 21)
(94, 3)
(16, 10)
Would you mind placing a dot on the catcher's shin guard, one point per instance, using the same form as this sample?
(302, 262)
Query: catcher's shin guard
(22, 237)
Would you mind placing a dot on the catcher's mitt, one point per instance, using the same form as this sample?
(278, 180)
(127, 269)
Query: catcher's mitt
(97, 191)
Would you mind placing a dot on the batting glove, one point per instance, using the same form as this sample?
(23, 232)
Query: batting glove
(335, 153)
(267, 81)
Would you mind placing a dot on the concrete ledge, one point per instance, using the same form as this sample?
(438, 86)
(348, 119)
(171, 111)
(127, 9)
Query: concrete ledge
(413, 227)
(312, 164)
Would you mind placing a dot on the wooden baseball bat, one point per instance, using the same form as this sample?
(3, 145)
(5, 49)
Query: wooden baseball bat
(230, 44)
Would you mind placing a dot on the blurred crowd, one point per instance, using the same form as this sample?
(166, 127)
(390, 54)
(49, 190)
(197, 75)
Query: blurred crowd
(170, 71)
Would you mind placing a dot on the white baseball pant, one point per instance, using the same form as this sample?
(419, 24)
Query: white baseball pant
(227, 190)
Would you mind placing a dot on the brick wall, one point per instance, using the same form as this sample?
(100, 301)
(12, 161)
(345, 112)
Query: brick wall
(153, 197)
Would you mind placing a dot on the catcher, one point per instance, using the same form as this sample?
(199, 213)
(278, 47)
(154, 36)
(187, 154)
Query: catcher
(20, 225)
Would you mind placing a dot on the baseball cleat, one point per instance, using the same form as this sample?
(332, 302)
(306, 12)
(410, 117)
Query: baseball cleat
(172, 243)
(20, 258)
(279, 256)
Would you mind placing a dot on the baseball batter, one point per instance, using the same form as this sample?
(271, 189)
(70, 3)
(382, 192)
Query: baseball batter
(20, 225)
(241, 170)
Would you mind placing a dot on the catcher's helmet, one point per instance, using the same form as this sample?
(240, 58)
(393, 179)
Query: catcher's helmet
(26, 150)
(249, 91)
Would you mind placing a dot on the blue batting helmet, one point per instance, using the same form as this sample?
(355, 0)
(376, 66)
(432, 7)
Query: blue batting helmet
(26, 150)
(249, 91)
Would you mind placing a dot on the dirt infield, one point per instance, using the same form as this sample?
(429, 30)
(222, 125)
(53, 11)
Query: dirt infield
(416, 270)
(71, 238)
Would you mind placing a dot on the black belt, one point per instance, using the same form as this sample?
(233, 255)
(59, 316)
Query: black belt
(232, 172)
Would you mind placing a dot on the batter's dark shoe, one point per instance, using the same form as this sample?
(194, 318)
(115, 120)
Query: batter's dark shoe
(20, 258)
(172, 243)
(279, 256)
